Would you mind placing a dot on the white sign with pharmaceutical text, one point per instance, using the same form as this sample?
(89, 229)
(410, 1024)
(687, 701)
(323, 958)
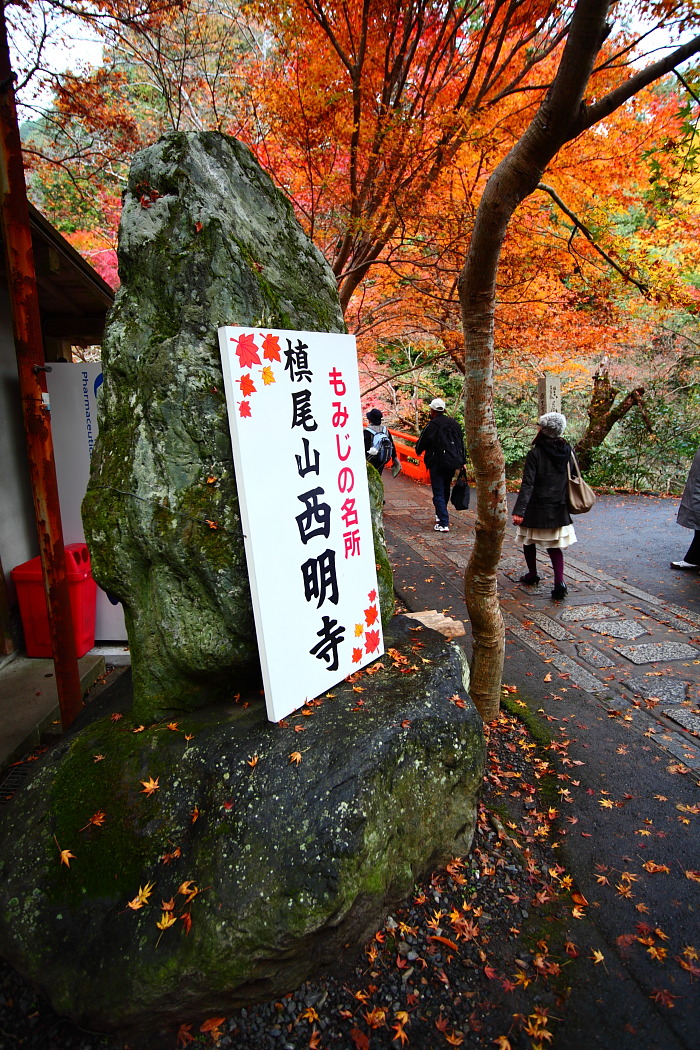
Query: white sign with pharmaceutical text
(298, 448)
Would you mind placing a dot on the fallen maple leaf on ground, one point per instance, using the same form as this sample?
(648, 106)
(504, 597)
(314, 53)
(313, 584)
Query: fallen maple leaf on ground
(149, 786)
(295, 757)
(213, 1027)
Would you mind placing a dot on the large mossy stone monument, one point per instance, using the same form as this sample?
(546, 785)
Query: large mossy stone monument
(179, 856)
(205, 240)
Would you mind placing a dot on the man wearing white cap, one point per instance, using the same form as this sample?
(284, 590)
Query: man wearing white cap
(442, 442)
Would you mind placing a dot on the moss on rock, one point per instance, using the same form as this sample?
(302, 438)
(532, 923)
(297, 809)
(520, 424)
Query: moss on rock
(205, 240)
(290, 861)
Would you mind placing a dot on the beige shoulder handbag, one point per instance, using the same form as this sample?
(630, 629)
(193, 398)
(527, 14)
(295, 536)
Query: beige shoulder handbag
(580, 495)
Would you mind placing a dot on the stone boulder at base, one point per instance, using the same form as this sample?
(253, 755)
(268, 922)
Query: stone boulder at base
(272, 849)
(205, 240)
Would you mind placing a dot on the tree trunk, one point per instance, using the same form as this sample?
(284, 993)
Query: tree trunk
(515, 178)
(602, 417)
(561, 117)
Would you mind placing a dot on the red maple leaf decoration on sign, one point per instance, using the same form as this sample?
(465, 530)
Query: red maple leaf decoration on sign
(244, 409)
(371, 615)
(246, 384)
(372, 596)
(271, 348)
(371, 641)
(356, 656)
(247, 351)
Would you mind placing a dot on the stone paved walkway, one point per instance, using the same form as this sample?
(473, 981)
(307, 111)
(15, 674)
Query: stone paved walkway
(633, 652)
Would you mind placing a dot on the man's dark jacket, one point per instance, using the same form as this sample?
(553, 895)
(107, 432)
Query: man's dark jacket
(542, 501)
(429, 439)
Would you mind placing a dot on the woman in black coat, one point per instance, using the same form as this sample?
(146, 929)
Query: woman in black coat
(541, 511)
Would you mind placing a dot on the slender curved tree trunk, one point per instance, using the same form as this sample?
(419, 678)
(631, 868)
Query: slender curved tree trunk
(562, 116)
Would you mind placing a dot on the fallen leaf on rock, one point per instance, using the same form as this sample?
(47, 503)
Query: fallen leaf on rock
(65, 854)
(167, 919)
(663, 997)
(183, 1035)
(141, 897)
(96, 820)
(150, 785)
(188, 890)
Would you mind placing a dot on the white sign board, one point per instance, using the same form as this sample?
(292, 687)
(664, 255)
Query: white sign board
(73, 394)
(298, 449)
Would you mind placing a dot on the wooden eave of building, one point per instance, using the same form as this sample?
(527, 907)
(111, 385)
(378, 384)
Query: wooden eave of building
(73, 298)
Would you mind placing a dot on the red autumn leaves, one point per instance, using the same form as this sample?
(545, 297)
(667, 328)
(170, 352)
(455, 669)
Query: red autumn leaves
(372, 639)
(248, 354)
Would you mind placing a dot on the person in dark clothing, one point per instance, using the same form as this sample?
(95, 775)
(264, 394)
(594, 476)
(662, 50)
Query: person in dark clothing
(541, 511)
(689, 517)
(376, 455)
(442, 442)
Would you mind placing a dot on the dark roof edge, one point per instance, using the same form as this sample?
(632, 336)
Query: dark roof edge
(41, 224)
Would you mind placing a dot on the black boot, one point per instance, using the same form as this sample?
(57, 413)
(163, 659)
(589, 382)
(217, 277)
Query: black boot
(560, 590)
(529, 579)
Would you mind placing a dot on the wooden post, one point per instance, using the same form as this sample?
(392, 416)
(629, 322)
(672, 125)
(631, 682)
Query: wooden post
(26, 323)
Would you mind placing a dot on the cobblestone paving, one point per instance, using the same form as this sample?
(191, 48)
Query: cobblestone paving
(662, 701)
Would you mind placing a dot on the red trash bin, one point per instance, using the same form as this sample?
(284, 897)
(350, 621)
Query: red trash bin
(32, 601)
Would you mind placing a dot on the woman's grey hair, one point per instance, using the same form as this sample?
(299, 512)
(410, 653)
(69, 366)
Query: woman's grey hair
(553, 423)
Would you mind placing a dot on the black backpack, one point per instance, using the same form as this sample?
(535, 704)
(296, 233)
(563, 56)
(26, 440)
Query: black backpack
(448, 448)
(382, 442)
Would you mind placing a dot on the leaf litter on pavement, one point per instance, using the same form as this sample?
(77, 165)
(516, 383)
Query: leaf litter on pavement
(486, 950)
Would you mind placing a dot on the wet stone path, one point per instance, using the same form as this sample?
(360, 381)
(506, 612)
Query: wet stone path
(636, 654)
